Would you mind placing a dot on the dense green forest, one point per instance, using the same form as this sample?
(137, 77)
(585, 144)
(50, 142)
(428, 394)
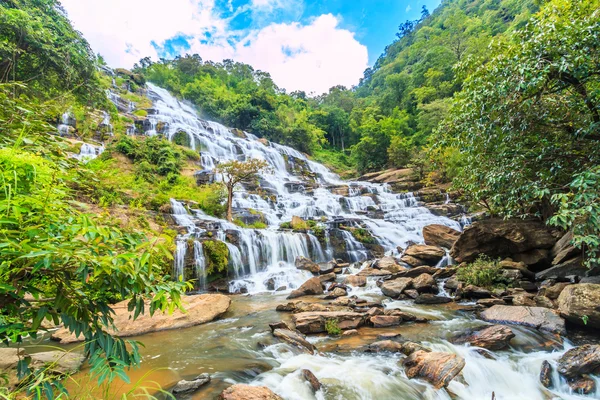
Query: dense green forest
(499, 97)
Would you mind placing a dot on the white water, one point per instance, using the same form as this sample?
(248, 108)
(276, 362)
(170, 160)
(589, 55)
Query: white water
(88, 152)
(269, 253)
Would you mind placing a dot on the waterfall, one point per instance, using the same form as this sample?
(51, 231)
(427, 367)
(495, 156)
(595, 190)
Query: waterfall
(64, 125)
(88, 152)
(293, 186)
(178, 265)
(200, 262)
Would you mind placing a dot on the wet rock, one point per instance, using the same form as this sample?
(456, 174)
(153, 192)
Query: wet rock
(389, 336)
(384, 321)
(199, 309)
(310, 287)
(279, 325)
(373, 311)
(327, 278)
(431, 255)
(404, 315)
(535, 317)
(572, 267)
(499, 238)
(424, 283)
(306, 264)
(496, 337)
(337, 292)
(440, 235)
(580, 304)
(582, 385)
(288, 307)
(546, 375)
(327, 268)
(388, 346)
(184, 386)
(580, 361)
(314, 322)
(294, 338)
(435, 367)
(356, 281)
(411, 293)
(312, 380)
(490, 302)
(444, 273)
(270, 284)
(409, 348)
(374, 272)
(247, 392)
(428, 298)
(394, 288)
(351, 332)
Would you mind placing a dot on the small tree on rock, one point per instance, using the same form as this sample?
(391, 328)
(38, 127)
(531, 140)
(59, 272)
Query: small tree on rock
(235, 172)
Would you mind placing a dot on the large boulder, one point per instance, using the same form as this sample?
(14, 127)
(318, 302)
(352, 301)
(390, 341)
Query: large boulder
(563, 250)
(356, 281)
(247, 392)
(435, 367)
(384, 321)
(540, 318)
(314, 322)
(199, 309)
(499, 238)
(572, 267)
(306, 264)
(579, 361)
(580, 304)
(440, 235)
(414, 272)
(394, 288)
(430, 255)
(295, 339)
(311, 287)
(429, 298)
(389, 263)
(424, 283)
(495, 337)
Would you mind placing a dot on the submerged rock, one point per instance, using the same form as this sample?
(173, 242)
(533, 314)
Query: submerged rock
(546, 375)
(295, 339)
(580, 304)
(311, 379)
(199, 309)
(435, 367)
(540, 318)
(184, 386)
(247, 392)
(496, 337)
(310, 287)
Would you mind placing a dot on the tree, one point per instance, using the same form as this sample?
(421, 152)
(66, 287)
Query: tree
(424, 12)
(235, 172)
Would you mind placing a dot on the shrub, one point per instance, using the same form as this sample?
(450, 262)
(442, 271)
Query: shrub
(217, 256)
(332, 327)
(483, 272)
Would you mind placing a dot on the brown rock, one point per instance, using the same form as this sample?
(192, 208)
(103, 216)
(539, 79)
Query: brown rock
(435, 367)
(424, 283)
(414, 272)
(310, 287)
(327, 277)
(533, 257)
(384, 321)
(388, 346)
(412, 261)
(374, 272)
(387, 263)
(490, 302)
(373, 311)
(335, 293)
(563, 250)
(440, 235)
(543, 301)
(394, 288)
(535, 317)
(356, 281)
(580, 361)
(428, 298)
(501, 238)
(582, 384)
(247, 392)
(350, 332)
(314, 322)
(496, 337)
(312, 380)
(523, 299)
(294, 338)
(546, 375)
(431, 255)
(304, 263)
(476, 292)
(555, 290)
(199, 309)
(581, 302)
(574, 266)
(279, 325)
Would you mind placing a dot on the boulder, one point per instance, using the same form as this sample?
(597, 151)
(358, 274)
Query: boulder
(388, 263)
(440, 235)
(579, 361)
(424, 283)
(413, 261)
(523, 299)
(490, 302)
(184, 386)
(337, 292)
(295, 339)
(510, 265)
(327, 277)
(546, 375)
(534, 317)
(388, 346)
(435, 367)
(428, 298)
(572, 267)
(582, 385)
(314, 322)
(351, 332)
(309, 288)
(355, 281)
(581, 302)
(311, 379)
(495, 337)
(394, 288)
(431, 255)
(499, 238)
(563, 249)
(374, 272)
(278, 325)
(414, 272)
(306, 264)
(476, 292)
(247, 392)
(384, 321)
(199, 309)
(553, 292)
(327, 268)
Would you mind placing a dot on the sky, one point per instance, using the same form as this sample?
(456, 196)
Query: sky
(308, 45)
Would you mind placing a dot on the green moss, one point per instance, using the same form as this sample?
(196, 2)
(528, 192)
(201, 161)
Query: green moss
(361, 234)
(140, 113)
(285, 225)
(217, 256)
(255, 225)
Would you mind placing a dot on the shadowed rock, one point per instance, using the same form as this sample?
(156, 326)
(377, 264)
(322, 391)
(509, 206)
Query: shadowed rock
(310, 287)
(314, 322)
(579, 361)
(546, 375)
(306, 264)
(312, 380)
(496, 337)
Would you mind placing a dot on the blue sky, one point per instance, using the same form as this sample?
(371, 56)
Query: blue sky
(305, 45)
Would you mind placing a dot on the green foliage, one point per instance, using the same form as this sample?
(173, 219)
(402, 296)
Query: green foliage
(152, 155)
(332, 327)
(361, 234)
(217, 256)
(484, 272)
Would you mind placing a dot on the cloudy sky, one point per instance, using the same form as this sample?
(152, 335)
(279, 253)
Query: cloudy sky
(307, 45)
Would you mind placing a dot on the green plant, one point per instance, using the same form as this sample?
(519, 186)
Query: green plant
(585, 319)
(483, 272)
(217, 256)
(332, 327)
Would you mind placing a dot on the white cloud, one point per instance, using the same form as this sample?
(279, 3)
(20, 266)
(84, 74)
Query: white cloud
(311, 57)
(408, 8)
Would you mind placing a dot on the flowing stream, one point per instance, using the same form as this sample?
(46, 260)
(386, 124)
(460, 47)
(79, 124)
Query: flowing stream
(239, 348)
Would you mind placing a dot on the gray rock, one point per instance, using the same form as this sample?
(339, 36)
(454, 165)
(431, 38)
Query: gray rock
(540, 318)
(184, 386)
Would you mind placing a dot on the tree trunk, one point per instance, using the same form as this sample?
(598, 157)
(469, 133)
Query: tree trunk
(230, 203)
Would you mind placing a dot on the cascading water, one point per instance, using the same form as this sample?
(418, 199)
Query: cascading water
(64, 125)
(393, 219)
(88, 152)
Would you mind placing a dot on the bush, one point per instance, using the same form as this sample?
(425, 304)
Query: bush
(484, 272)
(217, 256)
(332, 327)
